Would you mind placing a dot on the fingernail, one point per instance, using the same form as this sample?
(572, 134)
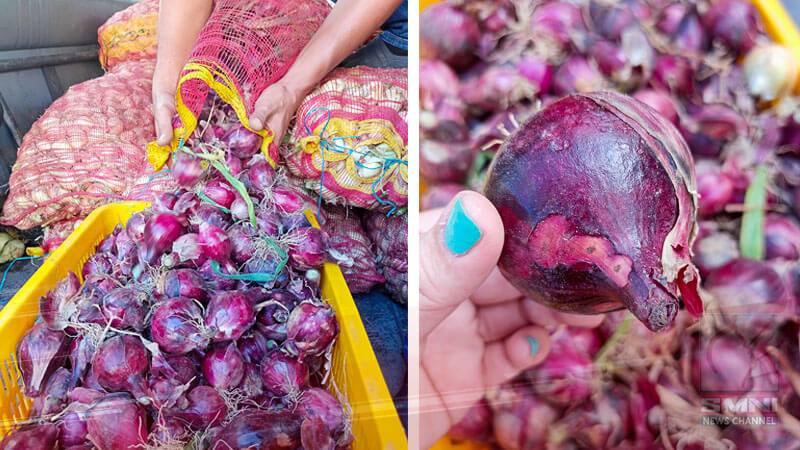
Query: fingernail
(534, 344)
(461, 233)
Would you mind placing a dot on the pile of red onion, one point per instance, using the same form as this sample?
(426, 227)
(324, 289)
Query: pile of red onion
(644, 155)
(201, 320)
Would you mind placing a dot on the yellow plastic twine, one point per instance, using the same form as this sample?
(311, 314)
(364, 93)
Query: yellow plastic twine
(217, 79)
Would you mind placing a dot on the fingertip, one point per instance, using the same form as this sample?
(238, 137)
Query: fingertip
(256, 123)
(581, 320)
(528, 347)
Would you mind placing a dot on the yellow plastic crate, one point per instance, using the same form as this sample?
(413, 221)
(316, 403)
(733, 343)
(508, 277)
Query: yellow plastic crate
(355, 368)
(779, 26)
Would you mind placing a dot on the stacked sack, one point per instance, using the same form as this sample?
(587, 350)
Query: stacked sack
(86, 150)
(349, 145)
(129, 35)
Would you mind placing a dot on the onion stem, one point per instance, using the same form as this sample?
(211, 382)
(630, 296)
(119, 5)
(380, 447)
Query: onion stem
(614, 339)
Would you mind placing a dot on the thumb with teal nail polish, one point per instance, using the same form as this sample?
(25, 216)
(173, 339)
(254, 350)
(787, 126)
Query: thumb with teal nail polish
(476, 330)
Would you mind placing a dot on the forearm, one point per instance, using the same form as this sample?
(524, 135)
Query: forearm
(348, 25)
(179, 25)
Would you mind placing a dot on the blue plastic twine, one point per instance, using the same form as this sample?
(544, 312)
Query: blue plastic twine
(5, 274)
(334, 147)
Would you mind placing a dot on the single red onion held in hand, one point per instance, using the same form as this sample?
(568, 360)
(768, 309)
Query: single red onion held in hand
(609, 219)
(39, 353)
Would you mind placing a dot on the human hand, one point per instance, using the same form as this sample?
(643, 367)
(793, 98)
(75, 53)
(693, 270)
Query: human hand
(163, 111)
(275, 107)
(476, 329)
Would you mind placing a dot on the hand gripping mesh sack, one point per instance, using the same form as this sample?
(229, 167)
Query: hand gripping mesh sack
(350, 247)
(129, 35)
(244, 47)
(350, 140)
(390, 236)
(86, 150)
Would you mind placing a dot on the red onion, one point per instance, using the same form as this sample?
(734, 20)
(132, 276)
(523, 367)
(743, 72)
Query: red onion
(81, 351)
(555, 20)
(566, 244)
(39, 353)
(215, 243)
(283, 375)
(711, 127)
(674, 74)
(448, 34)
(751, 296)
(186, 205)
(135, 227)
(187, 170)
(160, 232)
(659, 101)
(107, 244)
(98, 263)
(210, 215)
(55, 394)
(184, 283)
(120, 364)
(57, 306)
(260, 429)
(318, 403)
(203, 408)
(242, 142)
(439, 195)
(168, 429)
(714, 186)
(223, 366)
(125, 308)
(261, 176)
(475, 426)
(496, 89)
(520, 419)
(445, 161)
(220, 192)
(272, 322)
(253, 346)
(609, 20)
(781, 237)
(164, 201)
(239, 210)
(714, 250)
(268, 222)
(307, 247)
(537, 71)
(610, 59)
(287, 200)
(734, 23)
(577, 75)
(72, 429)
(242, 242)
(233, 164)
(41, 436)
(188, 249)
(252, 385)
(214, 281)
(176, 326)
(722, 363)
(564, 376)
(312, 327)
(437, 81)
(229, 315)
(123, 246)
(603, 422)
(117, 422)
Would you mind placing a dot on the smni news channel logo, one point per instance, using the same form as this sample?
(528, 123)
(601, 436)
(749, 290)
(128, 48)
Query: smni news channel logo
(734, 390)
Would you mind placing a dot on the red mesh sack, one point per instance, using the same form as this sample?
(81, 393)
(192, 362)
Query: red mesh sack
(129, 35)
(87, 149)
(350, 140)
(351, 248)
(244, 47)
(390, 236)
